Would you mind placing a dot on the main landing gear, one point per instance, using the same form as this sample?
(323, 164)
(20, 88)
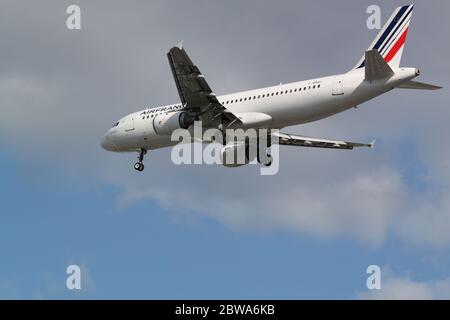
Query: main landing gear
(139, 166)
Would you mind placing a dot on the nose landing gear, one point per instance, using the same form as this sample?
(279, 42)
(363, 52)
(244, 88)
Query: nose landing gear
(139, 166)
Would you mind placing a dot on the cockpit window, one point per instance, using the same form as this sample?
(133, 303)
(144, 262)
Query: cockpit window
(115, 124)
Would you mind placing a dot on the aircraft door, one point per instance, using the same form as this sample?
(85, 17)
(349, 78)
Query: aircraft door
(338, 87)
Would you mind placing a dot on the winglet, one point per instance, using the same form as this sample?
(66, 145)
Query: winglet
(372, 144)
(180, 45)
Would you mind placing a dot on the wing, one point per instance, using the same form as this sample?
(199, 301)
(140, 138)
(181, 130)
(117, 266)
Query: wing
(294, 140)
(196, 96)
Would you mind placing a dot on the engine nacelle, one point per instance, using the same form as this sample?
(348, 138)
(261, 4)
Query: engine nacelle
(166, 123)
(253, 119)
(235, 155)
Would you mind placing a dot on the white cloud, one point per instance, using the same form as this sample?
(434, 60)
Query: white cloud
(428, 224)
(358, 204)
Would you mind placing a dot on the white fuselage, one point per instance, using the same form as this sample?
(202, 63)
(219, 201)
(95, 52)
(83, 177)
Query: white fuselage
(284, 105)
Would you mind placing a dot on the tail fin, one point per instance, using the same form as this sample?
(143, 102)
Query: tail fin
(391, 39)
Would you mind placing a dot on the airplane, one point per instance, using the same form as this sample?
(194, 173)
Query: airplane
(377, 72)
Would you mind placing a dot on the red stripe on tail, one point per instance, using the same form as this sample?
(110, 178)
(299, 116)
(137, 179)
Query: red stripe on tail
(397, 46)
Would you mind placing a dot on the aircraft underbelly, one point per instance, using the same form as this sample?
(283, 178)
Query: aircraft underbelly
(308, 110)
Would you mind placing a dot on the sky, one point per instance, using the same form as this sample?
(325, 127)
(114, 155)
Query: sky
(209, 232)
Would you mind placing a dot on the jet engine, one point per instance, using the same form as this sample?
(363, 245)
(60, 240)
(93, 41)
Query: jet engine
(236, 154)
(166, 123)
(239, 153)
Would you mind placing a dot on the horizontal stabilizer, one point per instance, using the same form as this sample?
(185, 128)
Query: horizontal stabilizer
(376, 67)
(418, 86)
(301, 141)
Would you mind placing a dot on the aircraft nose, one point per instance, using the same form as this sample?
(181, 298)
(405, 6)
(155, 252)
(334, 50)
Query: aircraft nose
(106, 143)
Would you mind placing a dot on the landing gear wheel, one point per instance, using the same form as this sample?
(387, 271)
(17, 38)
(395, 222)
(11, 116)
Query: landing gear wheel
(139, 166)
(263, 157)
(266, 162)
